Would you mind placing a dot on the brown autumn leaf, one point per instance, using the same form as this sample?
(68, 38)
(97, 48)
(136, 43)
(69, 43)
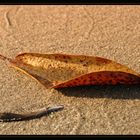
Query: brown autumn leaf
(62, 70)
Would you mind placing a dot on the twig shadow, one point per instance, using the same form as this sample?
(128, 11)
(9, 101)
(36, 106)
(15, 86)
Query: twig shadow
(108, 91)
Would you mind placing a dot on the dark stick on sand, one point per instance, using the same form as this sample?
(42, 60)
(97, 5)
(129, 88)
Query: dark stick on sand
(10, 117)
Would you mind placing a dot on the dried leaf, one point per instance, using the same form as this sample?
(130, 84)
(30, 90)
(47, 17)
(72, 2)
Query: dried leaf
(61, 70)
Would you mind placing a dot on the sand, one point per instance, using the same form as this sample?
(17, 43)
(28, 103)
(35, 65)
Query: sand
(107, 31)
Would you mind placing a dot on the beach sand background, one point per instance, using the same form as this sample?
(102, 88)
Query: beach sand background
(107, 31)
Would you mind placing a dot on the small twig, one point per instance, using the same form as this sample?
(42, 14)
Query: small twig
(10, 117)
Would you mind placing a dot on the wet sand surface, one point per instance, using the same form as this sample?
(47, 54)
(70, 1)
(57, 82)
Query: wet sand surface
(111, 32)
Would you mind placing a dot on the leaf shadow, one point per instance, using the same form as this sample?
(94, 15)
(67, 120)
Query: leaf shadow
(106, 91)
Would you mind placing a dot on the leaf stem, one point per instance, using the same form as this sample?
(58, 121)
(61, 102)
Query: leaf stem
(4, 58)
